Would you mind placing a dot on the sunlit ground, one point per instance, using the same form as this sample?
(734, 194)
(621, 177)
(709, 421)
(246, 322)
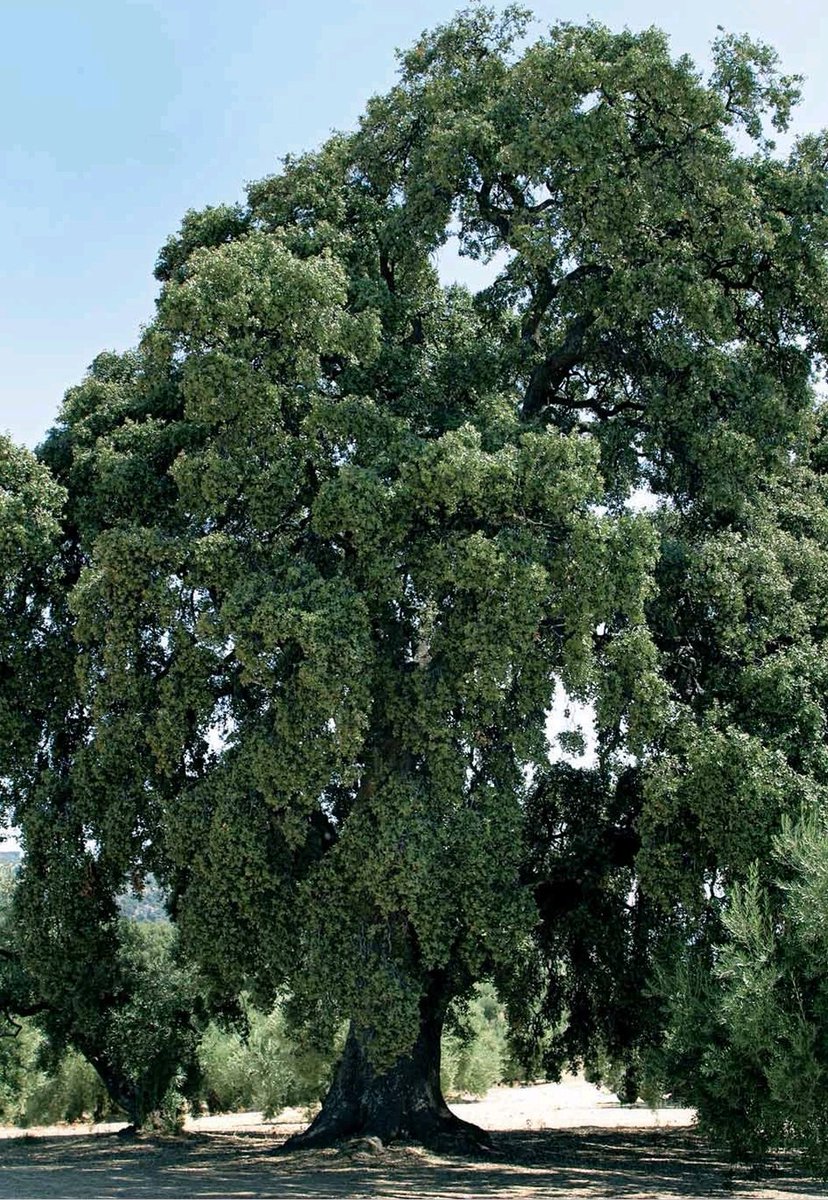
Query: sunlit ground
(550, 1140)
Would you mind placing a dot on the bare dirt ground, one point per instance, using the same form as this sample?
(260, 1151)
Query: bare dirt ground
(551, 1140)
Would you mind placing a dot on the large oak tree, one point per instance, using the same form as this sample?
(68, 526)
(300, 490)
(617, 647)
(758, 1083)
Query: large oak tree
(337, 532)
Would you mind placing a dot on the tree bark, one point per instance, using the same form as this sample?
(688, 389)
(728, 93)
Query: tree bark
(119, 1089)
(404, 1102)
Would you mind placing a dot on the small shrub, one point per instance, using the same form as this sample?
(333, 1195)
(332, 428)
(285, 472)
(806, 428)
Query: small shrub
(18, 1055)
(71, 1091)
(227, 1083)
(170, 1112)
(474, 1048)
(264, 1067)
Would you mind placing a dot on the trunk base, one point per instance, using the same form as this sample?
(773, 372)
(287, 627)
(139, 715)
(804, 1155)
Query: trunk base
(439, 1131)
(404, 1103)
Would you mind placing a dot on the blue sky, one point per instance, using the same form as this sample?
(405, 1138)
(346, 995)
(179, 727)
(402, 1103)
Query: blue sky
(118, 115)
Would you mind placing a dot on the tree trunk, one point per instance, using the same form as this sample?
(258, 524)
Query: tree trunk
(120, 1090)
(404, 1102)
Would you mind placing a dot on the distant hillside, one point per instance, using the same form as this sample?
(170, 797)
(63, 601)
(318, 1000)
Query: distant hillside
(146, 906)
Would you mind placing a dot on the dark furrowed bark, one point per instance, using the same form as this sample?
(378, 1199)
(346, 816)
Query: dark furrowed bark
(404, 1102)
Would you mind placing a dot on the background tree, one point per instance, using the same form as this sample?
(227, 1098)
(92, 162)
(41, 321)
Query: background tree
(90, 980)
(342, 531)
(738, 814)
(738, 617)
(139, 1039)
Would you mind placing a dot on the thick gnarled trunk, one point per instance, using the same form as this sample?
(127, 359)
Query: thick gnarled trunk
(404, 1102)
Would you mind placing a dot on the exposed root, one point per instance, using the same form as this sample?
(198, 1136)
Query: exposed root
(439, 1130)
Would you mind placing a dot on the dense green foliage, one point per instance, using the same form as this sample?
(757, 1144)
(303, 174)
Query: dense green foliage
(766, 1069)
(36, 1089)
(258, 1066)
(253, 1063)
(476, 1049)
(334, 533)
(737, 824)
(139, 1039)
(746, 1039)
(263, 1066)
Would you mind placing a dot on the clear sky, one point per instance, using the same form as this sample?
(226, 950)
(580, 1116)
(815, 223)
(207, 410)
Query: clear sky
(118, 115)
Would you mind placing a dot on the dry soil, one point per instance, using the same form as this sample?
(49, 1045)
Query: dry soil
(551, 1140)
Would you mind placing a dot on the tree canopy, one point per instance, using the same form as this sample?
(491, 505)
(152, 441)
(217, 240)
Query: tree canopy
(335, 532)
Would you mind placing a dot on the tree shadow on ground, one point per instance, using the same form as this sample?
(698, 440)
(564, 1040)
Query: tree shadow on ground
(595, 1164)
